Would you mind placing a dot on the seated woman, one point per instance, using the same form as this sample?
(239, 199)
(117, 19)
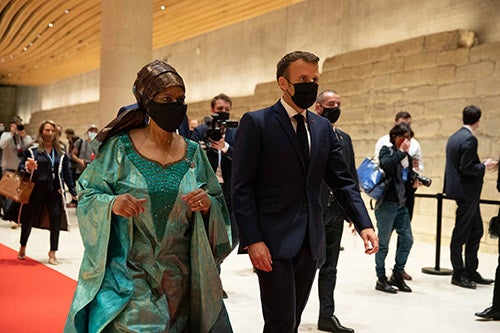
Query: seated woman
(146, 206)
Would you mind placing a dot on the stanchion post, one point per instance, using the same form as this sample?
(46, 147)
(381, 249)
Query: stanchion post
(436, 270)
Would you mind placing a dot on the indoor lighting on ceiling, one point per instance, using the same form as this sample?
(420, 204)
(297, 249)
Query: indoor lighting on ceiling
(50, 25)
(162, 7)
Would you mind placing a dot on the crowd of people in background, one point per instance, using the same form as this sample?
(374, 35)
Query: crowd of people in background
(279, 186)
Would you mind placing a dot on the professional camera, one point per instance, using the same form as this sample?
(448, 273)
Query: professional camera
(217, 125)
(424, 180)
(20, 127)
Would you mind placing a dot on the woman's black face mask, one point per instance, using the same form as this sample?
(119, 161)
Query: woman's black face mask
(167, 115)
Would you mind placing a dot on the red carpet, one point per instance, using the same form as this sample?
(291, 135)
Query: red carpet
(33, 297)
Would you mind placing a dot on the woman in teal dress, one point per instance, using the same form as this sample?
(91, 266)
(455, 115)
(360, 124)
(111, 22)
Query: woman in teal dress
(153, 222)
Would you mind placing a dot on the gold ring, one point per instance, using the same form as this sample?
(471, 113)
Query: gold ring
(201, 203)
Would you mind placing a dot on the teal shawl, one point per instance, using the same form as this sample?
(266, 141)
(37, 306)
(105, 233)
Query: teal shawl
(108, 239)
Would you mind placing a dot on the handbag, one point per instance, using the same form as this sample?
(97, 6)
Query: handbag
(16, 186)
(494, 226)
(371, 179)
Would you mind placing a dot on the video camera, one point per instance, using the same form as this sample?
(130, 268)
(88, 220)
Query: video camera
(217, 124)
(424, 180)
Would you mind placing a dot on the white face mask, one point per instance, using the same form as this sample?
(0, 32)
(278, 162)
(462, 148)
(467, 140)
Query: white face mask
(92, 135)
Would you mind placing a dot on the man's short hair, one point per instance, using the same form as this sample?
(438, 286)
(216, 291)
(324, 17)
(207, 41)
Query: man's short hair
(402, 115)
(224, 97)
(322, 94)
(284, 63)
(471, 114)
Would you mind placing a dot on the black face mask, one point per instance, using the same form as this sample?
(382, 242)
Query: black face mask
(305, 94)
(167, 115)
(331, 114)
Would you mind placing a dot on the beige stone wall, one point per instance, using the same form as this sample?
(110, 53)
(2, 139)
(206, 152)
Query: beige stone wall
(433, 77)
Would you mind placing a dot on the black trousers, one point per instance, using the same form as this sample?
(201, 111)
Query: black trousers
(284, 291)
(468, 231)
(496, 289)
(327, 278)
(32, 212)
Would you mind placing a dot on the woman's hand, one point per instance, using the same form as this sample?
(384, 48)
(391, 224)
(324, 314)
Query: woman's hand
(198, 201)
(31, 164)
(127, 206)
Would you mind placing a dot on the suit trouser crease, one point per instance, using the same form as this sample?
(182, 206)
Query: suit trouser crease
(468, 231)
(284, 291)
(327, 278)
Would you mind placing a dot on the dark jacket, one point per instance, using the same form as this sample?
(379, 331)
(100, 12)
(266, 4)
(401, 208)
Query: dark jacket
(464, 172)
(276, 198)
(329, 205)
(390, 161)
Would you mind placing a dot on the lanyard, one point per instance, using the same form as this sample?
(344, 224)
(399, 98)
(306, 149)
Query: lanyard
(52, 161)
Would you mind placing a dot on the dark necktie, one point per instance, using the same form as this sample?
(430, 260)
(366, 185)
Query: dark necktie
(302, 136)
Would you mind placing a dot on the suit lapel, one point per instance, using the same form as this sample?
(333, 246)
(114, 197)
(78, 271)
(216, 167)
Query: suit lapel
(286, 124)
(314, 135)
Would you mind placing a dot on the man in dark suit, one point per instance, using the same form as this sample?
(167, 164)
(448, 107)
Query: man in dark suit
(279, 164)
(493, 312)
(463, 181)
(333, 216)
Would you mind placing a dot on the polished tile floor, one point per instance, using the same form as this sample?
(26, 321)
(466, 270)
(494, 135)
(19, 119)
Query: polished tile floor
(434, 306)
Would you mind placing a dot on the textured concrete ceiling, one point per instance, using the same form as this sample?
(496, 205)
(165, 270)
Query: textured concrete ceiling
(42, 41)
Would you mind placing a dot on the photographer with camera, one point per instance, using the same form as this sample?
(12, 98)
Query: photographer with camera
(391, 210)
(216, 136)
(404, 117)
(13, 143)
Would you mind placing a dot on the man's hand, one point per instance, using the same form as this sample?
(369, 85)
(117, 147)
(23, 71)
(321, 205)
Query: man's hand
(370, 240)
(219, 145)
(260, 256)
(490, 164)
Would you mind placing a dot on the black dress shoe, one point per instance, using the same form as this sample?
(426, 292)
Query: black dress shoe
(476, 277)
(489, 313)
(224, 294)
(385, 286)
(398, 281)
(463, 282)
(332, 324)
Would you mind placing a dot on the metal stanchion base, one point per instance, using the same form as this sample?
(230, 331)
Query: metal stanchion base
(439, 271)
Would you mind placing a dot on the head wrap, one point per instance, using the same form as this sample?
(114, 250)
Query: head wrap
(151, 79)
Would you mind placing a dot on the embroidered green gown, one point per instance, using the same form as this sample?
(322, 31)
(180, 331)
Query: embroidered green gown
(155, 272)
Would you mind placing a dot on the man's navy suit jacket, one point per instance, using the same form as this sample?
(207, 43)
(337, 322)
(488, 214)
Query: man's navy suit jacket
(464, 172)
(275, 198)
